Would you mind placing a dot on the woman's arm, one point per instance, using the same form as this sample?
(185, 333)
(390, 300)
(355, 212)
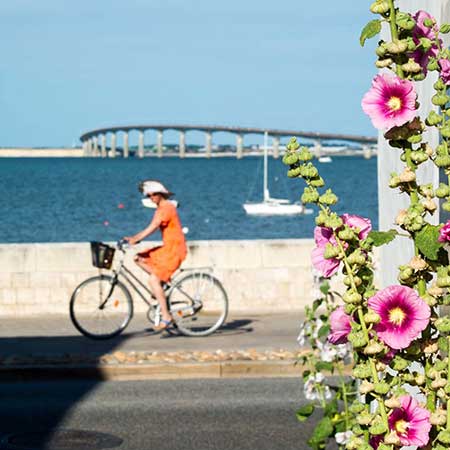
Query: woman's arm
(152, 227)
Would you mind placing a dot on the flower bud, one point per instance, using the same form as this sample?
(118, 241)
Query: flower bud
(330, 251)
(317, 182)
(420, 380)
(392, 439)
(417, 263)
(443, 323)
(361, 370)
(442, 161)
(435, 291)
(381, 388)
(357, 339)
(352, 297)
(438, 383)
(294, 172)
(393, 402)
(377, 427)
(445, 28)
(293, 145)
(446, 206)
(433, 118)
(397, 47)
(439, 417)
(329, 198)
(357, 257)
(445, 131)
(305, 155)
(381, 50)
(401, 216)
(407, 176)
(364, 418)
(373, 348)
(383, 63)
(430, 348)
(430, 205)
(428, 150)
(321, 218)
(405, 21)
(380, 366)
(394, 181)
(346, 234)
(399, 363)
(290, 158)
(444, 436)
(310, 195)
(411, 66)
(440, 99)
(371, 317)
(379, 7)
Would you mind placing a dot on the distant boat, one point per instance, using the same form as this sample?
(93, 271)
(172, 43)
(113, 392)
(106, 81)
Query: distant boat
(273, 206)
(325, 159)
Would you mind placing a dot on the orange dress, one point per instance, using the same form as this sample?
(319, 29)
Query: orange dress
(164, 260)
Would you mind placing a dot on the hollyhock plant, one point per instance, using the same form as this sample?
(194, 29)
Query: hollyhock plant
(323, 236)
(390, 101)
(404, 315)
(444, 64)
(421, 56)
(340, 326)
(444, 233)
(410, 422)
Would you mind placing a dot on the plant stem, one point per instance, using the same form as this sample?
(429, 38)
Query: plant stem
(394, 32)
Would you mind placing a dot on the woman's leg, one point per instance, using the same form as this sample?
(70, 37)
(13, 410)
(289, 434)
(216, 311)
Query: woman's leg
(156, 288)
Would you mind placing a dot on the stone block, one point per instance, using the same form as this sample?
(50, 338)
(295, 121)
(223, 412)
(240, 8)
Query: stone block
(26, 296)
(17, 258)
(5, 280)
(45, 279)
(289, 253)
(63, 257)
(8, 296)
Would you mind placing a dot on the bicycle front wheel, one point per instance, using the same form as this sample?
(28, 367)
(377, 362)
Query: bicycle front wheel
(199, 304)
(99, 309)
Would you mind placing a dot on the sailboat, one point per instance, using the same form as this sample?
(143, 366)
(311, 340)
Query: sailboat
(273, 206)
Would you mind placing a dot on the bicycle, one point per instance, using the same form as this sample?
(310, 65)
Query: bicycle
(101, 307)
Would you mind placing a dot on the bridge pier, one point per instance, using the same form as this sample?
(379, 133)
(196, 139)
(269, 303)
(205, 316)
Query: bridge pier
(126, 150)
(182, 144)
(89, 147)
(113, 145)
(317, 149)
(84, 148)
(103, 145)
(276, 146)
(95, 150)
(208, 144)
(140, 152)
(239, 145)
(367, 152)
(159, 143)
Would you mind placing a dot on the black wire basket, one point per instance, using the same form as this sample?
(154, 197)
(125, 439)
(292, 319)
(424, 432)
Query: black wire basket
(102, 255)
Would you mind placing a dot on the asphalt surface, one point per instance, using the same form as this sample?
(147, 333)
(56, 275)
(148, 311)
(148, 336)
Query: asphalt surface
(47, 335)
(165, 415)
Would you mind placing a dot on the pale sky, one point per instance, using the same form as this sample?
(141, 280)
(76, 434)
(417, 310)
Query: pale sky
(70, 66)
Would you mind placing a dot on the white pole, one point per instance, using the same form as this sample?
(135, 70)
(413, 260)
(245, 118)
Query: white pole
(265, 187)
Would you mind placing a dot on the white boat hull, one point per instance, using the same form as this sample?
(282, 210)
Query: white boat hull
(275, 209)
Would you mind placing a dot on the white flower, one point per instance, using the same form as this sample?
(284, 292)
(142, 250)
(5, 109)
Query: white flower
(344, 437)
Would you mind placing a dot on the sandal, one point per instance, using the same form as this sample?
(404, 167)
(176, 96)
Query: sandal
(163, 324)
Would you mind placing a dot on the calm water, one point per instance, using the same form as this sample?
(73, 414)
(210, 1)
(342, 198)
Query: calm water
(63, 200)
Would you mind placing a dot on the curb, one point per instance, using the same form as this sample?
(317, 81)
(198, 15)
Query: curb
(157, 371)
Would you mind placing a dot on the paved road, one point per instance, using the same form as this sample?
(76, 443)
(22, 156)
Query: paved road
(56, 335)
(251, 414)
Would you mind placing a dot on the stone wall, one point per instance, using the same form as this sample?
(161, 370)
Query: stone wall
(259, 276)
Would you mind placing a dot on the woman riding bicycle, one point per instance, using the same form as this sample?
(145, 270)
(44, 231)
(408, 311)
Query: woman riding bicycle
(161, 262)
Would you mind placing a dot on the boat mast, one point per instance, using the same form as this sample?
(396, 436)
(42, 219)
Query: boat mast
(265, 187)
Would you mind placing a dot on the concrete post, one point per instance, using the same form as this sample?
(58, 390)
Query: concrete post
(239, 145)
(126, 150)
(182, 144)
(103, 145)
(208, 144)
(141, 144)
(276, 146)
(85, 148)
(113, 145)
(89, 147)
(159, 143)
(317, 149)
(367, 153)
(95, 140)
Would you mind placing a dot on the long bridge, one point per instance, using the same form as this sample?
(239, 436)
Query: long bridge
(95, 141)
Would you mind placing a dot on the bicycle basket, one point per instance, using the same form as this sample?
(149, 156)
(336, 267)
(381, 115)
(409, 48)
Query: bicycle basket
(102, 255)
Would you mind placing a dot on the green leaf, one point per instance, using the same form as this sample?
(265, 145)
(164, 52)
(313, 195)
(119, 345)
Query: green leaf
(324, 331)
(304, 412)
(382, 237)
(427, 241)
(369, 31)
(322, 365)
(325, 287)
(331, 408)
(323, 429)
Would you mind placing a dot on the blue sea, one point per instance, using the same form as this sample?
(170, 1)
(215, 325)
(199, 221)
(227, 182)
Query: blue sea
(84, 199)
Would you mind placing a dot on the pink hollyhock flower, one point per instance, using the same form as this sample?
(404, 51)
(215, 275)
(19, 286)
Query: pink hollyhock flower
(410, 422)
(421, 31)
(327, 267)
(324, 235)
(390, 102)
(340, 326)
(404, 315)
(444, 233)
(445, 70)
(364, 225)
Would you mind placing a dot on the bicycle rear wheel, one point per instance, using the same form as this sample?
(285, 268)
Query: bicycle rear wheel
(198, 304)
(100, 310)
